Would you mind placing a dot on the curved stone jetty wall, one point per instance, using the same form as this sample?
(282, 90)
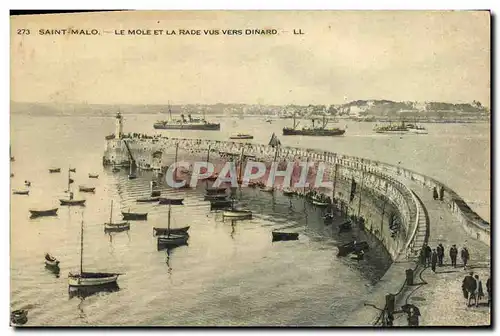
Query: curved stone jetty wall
(379, 192)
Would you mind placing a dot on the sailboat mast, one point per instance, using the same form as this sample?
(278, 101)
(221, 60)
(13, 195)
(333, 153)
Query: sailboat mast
(81, 247)
(111, 213)
(169, 110)
(175, 160)
(169, 214)
(69, 177)
(241, 163)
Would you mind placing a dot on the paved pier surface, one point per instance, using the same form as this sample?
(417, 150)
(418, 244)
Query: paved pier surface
(439, 295)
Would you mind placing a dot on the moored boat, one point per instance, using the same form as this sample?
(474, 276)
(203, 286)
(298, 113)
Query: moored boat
(288, 192)
(86, 189)
(120, 226)
(93, 176)
(157, 231)
(72, 202)
(48, 212)
(19, 317)
(51, 261)
(319, 202)
(172, 240)
(352, 247)
(220, 204)
(215, 191)
(215, 197)
(21, 192)
(172, 201)
(115, 170)
(282, 236)
(134, 215)
(240, 214)
(155, 193)
(73, 170)
(147, 199)
(241, 136)
(54, 170)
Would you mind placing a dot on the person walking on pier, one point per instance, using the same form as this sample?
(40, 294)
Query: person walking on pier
(469, 286)
(488, 290)
(464, 254)
(435, 193)
(441, 193)
(440, 254)
(434, 260)
(428, 254)
(478, 294)
(453, 255)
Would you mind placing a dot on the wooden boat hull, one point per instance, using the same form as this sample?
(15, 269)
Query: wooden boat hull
(19, 317)
(72, 202)
(220, 204)
(116, 226)
(240, 214)
(349, 248)
(38, 213)
(282, 236)
(148, 199)
(171, 201)
(165, 231)
(134, 216)
(132, 177)
(90, 279)
(52, 263)
(93, 176)
(215, 191)
(247, 137)
(172, 240)
(21, 192)
(54, 170)
(215, 197)
(319, 203)
(87, 189)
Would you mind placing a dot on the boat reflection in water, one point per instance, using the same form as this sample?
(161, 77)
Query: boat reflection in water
(84, 292)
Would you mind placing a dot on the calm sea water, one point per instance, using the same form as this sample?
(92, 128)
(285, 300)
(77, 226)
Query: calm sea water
(231, 273)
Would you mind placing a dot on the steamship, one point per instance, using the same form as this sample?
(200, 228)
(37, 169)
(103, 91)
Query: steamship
(313, 131)
(190, 123)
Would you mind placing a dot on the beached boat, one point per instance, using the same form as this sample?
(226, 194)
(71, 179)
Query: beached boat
(51, 261)
(93, 176)
(86, 189)
(157, 231)
(20, 192)
(54, 170)
(134, 215)
(352, 247)
(90, 279)
(241, 136)
(19, 317)
(39, 213)
(282, 236)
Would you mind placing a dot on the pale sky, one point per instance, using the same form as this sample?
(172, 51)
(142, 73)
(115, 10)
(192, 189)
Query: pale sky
(397, 55)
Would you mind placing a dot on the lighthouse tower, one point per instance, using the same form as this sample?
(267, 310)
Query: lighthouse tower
(119, 126)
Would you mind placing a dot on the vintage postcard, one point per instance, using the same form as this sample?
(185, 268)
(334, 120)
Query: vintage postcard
(250, 168)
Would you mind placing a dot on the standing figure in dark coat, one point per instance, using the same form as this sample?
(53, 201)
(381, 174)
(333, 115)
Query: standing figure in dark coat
(441, 193)
(469, 287)
(434, 260)
(435, 193)
(440, 254)
(464, 254)
(428, 254)
(479, 294)
(413, 318)
(453, 255)
(488, 289)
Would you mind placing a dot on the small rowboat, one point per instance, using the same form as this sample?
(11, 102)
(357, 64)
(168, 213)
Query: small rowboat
(93, 175)
(148, 199)
(72, 170)
(21, 192)
(240, 136)
(51, 261)
(282, 236)
(134, 215)
(171, 201)
(220, 204)
(122, 226)
(39, 213)
(89, 279)
(54, 170)
(172, 240)
(19, 317)
(155, 193)
(165, 231)
(132, 176)
(319, 203)
(72, 202)
(215, 197)
(239, 214)
(86, 189)
(352, 247)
